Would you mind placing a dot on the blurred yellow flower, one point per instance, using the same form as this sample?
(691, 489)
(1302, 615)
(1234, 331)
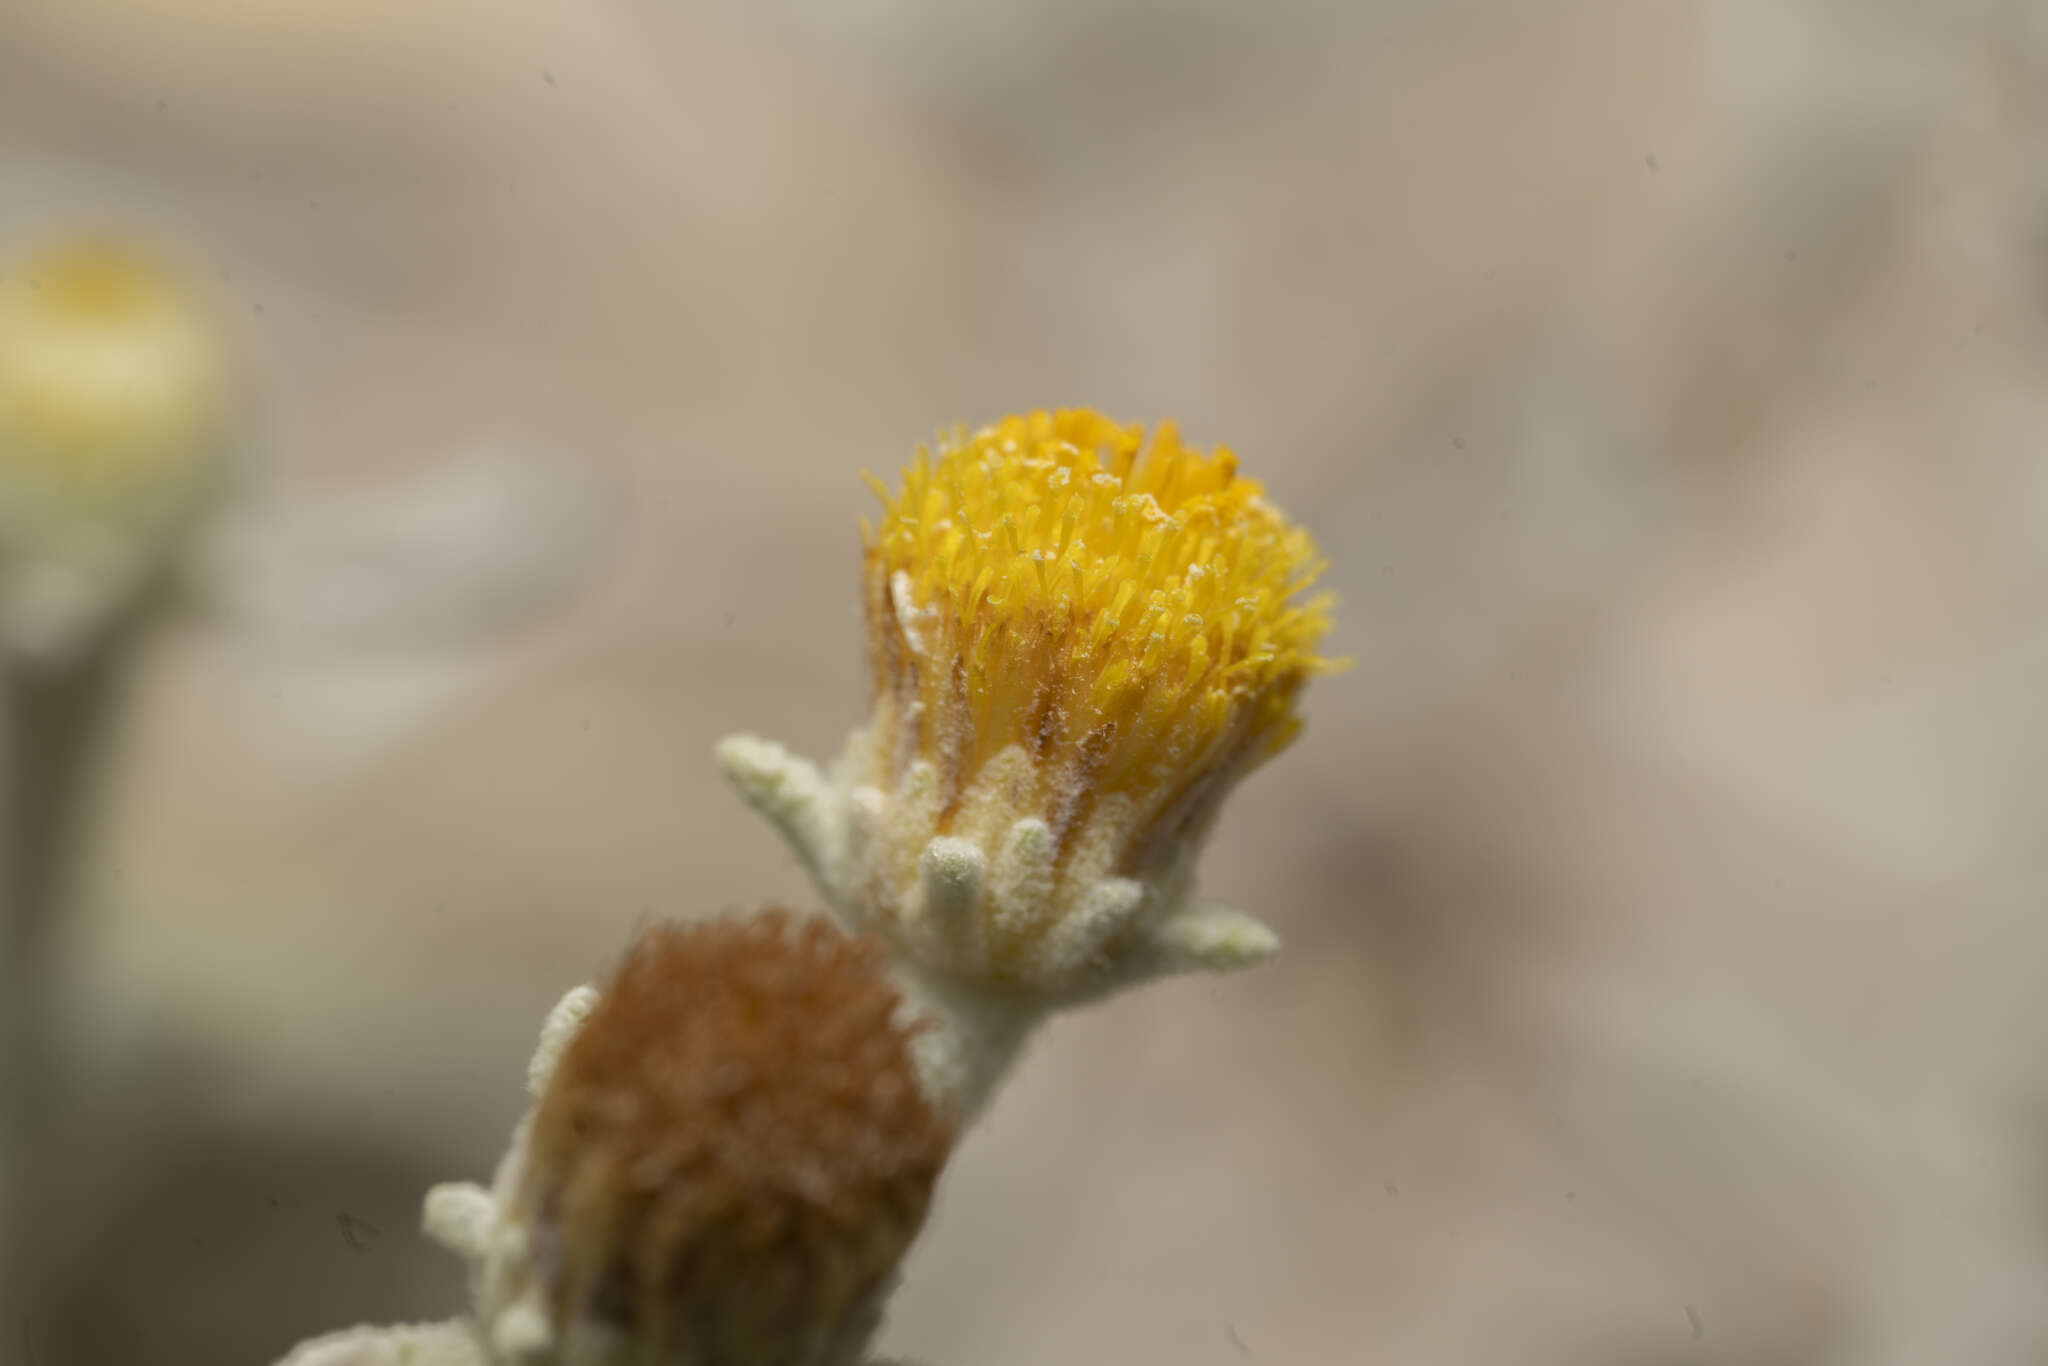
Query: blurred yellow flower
(113, 375)
(116, 410)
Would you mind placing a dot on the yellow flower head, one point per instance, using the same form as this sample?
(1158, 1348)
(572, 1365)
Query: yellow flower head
(115, 416)
(1080, 643)
(1124, 617)
(113, 377)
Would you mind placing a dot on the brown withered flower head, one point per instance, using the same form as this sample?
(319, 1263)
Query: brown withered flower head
(733, 1153)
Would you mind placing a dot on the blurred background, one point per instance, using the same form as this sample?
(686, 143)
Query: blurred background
(1662, 890)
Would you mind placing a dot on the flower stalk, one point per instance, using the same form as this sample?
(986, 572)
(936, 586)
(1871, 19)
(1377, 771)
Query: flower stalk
(1080, 644)
(114, 424)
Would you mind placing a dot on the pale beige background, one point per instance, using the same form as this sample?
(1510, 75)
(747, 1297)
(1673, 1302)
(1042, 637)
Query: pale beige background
(1663, 891)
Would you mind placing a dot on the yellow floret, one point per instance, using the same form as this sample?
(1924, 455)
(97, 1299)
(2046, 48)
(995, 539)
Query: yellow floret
(113, 376)
(1124, 614)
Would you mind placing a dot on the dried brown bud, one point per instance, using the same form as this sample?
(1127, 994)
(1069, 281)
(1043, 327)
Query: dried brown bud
(734, 1154)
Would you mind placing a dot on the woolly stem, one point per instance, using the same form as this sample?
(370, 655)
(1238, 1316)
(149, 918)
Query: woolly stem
(969, 1037)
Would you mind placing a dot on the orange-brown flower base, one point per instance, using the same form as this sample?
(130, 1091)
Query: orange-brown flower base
(729, 1154)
